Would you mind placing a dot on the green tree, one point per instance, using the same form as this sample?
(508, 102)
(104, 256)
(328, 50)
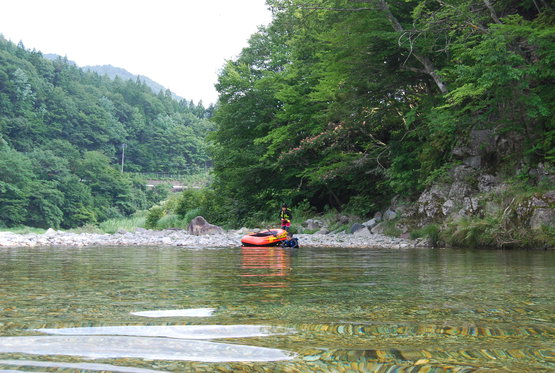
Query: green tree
(16, 177)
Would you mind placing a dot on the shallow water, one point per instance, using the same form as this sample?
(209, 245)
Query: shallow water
(276, 310)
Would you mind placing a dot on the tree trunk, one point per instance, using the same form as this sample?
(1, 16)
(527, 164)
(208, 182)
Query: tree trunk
(425, 61)
(492, 12)
(384, 7)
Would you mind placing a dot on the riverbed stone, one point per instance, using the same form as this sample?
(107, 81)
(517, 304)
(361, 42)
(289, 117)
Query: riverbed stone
(356, 227)
(323, 230)
(363, 232)
(371, 223)
(389, 215)
(145, 237)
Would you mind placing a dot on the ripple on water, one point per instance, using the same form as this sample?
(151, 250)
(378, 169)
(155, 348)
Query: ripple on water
(429, 330)
(113, 347)
(395, 355)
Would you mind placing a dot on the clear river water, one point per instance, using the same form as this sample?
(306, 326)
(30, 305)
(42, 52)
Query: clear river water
(172, 309)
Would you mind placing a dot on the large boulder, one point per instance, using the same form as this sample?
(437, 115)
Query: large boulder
(540, 209)
(431, 201)
(542, 217)
(199, 226)
(481, 144)
(455, 199)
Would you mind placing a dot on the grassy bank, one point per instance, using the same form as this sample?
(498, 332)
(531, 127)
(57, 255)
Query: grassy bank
(23, 230)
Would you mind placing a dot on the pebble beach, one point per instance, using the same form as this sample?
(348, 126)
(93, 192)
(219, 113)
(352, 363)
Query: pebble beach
(145, 237)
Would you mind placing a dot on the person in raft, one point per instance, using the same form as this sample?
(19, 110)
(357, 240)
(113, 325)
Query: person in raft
(291, 241)
(285, 216)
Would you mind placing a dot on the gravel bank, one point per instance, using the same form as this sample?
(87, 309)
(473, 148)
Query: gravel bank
(144, 237)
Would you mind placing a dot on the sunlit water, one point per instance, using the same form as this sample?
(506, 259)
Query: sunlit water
(275, 310)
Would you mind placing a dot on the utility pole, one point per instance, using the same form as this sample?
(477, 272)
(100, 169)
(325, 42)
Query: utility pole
(122, 155)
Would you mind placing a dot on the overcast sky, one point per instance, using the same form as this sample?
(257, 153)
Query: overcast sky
(181, 44)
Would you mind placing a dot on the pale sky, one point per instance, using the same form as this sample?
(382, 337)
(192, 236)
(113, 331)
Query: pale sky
(180, 44)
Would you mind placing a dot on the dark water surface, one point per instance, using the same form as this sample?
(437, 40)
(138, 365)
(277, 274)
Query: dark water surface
(276, 310)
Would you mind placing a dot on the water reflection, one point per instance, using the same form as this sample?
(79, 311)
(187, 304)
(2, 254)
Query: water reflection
(266, 262)
(175, 331)
(106, 347)
(78, 366)
(191, 312)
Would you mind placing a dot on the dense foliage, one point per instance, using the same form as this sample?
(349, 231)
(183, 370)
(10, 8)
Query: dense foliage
(62, 132)
(348, 102)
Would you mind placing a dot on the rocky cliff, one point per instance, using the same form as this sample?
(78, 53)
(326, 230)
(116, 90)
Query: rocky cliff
(491, 197)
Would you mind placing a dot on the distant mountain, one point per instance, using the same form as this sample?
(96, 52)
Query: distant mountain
(54, 57)
(112, 72)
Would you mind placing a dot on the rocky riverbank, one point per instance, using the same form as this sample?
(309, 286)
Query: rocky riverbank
(145, 237)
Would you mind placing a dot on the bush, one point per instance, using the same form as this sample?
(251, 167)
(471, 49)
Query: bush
(158, 193)
(113, 225)
(154, 214)
(190, 215)
(190, 199)
(171, 221)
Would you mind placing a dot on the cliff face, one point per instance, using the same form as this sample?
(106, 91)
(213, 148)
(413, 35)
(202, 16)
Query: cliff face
(491, 198)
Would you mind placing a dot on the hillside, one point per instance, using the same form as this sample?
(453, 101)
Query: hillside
(62, 132)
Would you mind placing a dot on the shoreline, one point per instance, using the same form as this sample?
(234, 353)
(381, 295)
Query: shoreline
(181, 238)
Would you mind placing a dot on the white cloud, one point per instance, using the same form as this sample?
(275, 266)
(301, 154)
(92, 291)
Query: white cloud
(180, 44)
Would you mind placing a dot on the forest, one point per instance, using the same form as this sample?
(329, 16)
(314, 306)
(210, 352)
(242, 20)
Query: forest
(62, 135)
(341, 105)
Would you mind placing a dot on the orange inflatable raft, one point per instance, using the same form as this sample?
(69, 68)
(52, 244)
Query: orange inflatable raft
(271, 237)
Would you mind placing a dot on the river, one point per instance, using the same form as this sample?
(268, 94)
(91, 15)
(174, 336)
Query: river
(172, 309)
